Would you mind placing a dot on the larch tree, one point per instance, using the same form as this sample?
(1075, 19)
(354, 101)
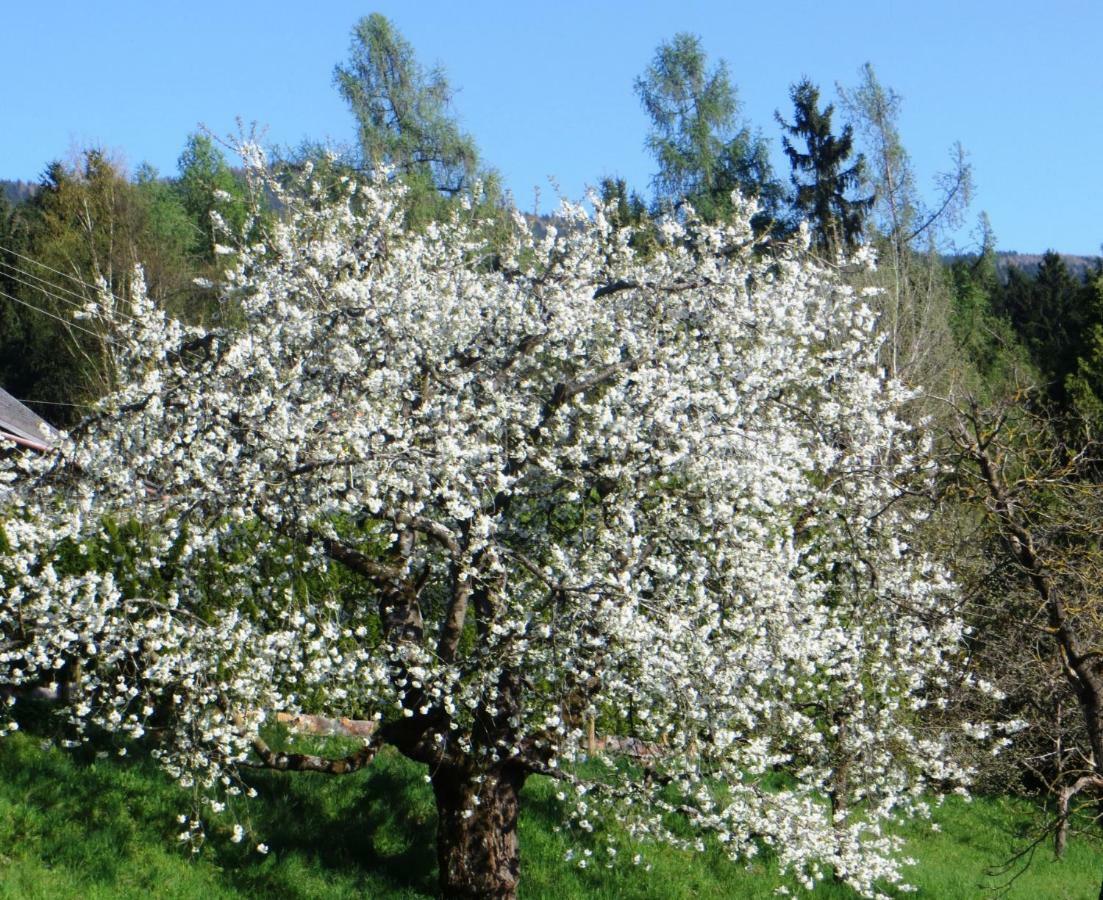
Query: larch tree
(702, 150)
(403, 115)
(479, 504)
(916, 306)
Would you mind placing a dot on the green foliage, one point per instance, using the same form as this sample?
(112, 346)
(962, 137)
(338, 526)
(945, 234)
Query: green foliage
(206, 187)
(169, 257)
(404, 122)
(821, 178)
(1085, 385)
(85, 228)
(402, 112)
(1045, 312)
(900, 217)
(166, 216)
(1057, 317)
(56, 245)
(25, 338)
(628, 210)
(876, 110)
(702, 150)
(990, 355)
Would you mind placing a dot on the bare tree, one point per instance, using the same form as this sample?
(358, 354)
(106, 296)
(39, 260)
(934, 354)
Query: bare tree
(909, 235)
(1044, 501)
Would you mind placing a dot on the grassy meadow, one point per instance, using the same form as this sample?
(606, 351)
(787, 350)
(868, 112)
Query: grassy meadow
(90, 825)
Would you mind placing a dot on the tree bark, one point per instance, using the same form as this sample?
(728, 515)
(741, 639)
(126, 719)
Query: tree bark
(477, 848)
(1064, 797)
(838, 793)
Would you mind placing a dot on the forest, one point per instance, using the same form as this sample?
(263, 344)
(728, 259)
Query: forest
(737, 516)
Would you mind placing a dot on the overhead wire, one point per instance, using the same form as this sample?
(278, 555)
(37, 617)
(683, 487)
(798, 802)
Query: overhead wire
(107, 338)
(26, 402)
(71, 277)
(51, 291)
(50, 288)
(61, 319)
(46, 284)
(40, 288)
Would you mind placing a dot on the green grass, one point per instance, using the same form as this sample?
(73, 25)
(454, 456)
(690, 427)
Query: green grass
(78, 826)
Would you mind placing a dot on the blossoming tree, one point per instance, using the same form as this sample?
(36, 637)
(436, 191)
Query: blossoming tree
(481, 499)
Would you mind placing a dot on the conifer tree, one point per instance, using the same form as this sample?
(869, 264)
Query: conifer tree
(703, 151)
(402, 111)
(821, 178)
(206, 186)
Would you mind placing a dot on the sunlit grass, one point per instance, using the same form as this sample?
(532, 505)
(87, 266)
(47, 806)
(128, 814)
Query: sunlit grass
(82, 826)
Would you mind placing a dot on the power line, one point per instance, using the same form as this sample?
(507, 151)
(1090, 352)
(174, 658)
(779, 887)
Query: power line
(55, 403)
(45, 285)
(64, 321)
(43, 290)
(49, 288)
(72, 278)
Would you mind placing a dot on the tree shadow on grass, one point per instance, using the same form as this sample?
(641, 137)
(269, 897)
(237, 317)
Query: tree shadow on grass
(90, 815)
(375, 829)
(96, 814)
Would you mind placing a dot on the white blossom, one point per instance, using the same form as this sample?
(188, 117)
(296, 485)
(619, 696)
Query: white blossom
(671, 483)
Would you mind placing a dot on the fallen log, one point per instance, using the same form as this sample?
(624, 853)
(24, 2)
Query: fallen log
(306, 723)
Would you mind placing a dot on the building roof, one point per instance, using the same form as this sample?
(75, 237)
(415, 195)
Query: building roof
(19, 424)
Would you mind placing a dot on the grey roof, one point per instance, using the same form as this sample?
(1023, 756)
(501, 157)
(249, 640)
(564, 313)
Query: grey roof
(19, 424)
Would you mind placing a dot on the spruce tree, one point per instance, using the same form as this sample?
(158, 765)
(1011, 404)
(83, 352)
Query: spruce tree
(821, 178)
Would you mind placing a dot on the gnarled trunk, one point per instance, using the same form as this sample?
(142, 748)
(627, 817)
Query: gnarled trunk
(477, 849)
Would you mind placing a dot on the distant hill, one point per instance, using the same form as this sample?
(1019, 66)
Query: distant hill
(1028, 263)
(17, 191)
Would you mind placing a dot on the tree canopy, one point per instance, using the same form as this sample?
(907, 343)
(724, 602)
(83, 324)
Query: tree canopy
(402, 110)
(477, 506)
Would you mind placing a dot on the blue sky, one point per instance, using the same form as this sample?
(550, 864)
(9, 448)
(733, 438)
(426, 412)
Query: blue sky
(546, 88)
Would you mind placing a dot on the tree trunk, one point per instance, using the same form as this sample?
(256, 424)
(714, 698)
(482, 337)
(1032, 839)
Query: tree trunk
(477, 849)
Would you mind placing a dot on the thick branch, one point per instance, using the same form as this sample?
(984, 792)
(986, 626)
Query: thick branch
(359, 562)
(615, 287)
(1080, 668)
(462, 576)
(441, 534)
(309, 762)
(451, 628)
(1060, 837)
